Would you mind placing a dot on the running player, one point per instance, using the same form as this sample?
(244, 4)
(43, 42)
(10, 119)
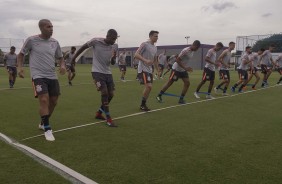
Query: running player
(162, 61)
(147, 56)
(265, 60)
(122, 64)
(43, 52)
(209, 70)
(243, 70)
(10, 62)
(224, 60)
(254, 57)
(279, 65)
(180, 69)
(104, 54)
(170, 62)
(70, 67)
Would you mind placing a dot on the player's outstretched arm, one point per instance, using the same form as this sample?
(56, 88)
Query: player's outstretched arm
(20, 59)
(84, 47)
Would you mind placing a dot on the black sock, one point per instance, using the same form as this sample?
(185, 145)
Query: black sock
(218, 87)
(235, 86)
(45, 121)
(161, 93)
(224, 90)
(143, 102)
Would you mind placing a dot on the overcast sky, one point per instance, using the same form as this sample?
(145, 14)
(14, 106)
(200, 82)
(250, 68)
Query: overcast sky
(76, 22)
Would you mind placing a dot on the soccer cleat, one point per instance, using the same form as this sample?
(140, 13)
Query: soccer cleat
(181, 101)
(41, 126)
(196, 95)
(209, 97)
(49, 135)
(232, 89)
(110, 123)
(99, 116)
(144, 108)
(159, 98)
(225, 94)
(215, 90)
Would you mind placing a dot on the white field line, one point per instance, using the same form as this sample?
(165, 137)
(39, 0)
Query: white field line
(155, 110)
(49, 160)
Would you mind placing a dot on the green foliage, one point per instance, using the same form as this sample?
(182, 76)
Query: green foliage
(275, 39)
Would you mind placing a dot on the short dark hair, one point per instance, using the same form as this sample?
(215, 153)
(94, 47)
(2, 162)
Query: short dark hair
(272, 45)
(153, 32)
(13, 47)
(73, 48)
(219, 44)
(197, 43)
(112, 32)
(262, 49)
(230, 43)
(248, 47)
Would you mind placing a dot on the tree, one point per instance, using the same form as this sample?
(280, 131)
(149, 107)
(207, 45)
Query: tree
(275, 39)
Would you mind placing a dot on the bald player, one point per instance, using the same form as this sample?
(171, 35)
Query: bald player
(104, 55)
(10, 62)
(180, 70)
(147, 56)
(43, 53)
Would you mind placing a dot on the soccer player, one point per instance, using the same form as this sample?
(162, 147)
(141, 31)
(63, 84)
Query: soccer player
(147, 56)
(209, 70)
(243, 70)
(162, 61)
(180, 69)
(122, 64)
(70, 67)
(104, 54)
(224, 60)
(265, 60)
(43, 52)
(170, 62)
(254, 57)
(279, 65)
(10, 62)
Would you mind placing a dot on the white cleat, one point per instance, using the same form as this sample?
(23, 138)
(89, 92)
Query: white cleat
(215, 90)
(225, 94)
(49, 135)
(209, 97)
(196, 95)
(41, 127)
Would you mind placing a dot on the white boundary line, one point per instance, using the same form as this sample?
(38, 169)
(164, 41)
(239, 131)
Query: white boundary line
(155, 110)
(49, 160)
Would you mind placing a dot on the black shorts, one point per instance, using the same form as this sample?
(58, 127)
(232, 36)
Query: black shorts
(224, 74)
(70, 68)
(43, 85)
(122, 68)
(145, 77)
(161, 66)
(208, 75)
(243, 74)
(103, 81)
(12, 70)
(175, 75)
(169, 66)
(253, 71)
(279, 71)
(263, 68)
